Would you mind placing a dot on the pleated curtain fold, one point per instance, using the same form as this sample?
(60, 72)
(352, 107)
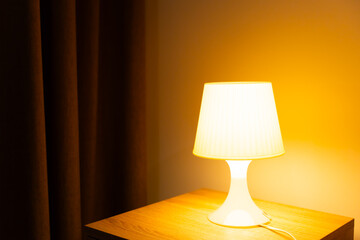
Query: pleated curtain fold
(72, 114)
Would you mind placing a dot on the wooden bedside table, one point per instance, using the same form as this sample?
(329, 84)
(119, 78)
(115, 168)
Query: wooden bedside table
(185, 217)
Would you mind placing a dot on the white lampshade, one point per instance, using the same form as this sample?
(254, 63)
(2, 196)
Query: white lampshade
(238, 120)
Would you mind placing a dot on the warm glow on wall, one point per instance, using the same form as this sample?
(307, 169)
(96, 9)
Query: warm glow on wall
(309, 50)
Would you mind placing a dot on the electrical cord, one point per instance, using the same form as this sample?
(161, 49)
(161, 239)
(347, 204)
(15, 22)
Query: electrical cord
(274, 228)
(278, 229)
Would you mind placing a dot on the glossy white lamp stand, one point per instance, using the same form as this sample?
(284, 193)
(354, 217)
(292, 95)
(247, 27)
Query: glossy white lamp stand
(238, 210)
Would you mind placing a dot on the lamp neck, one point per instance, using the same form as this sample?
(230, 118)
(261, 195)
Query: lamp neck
(238, 168)
(238, 209)
(238, 184)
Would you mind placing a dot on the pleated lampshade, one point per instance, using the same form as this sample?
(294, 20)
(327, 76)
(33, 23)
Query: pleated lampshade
(238, 120)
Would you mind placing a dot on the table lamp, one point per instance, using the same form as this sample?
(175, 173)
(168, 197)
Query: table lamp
(238, 123)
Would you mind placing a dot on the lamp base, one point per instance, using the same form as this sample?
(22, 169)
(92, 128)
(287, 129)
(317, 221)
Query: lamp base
(238, 210)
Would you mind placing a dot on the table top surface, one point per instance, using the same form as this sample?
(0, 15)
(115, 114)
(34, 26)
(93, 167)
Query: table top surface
(185, 217)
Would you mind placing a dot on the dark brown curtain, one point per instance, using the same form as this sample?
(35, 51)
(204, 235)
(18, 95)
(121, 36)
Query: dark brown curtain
(72, 114)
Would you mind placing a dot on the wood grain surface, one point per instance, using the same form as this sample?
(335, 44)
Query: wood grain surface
(185, 217)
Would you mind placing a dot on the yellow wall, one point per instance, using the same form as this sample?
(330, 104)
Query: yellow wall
(309, 50)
